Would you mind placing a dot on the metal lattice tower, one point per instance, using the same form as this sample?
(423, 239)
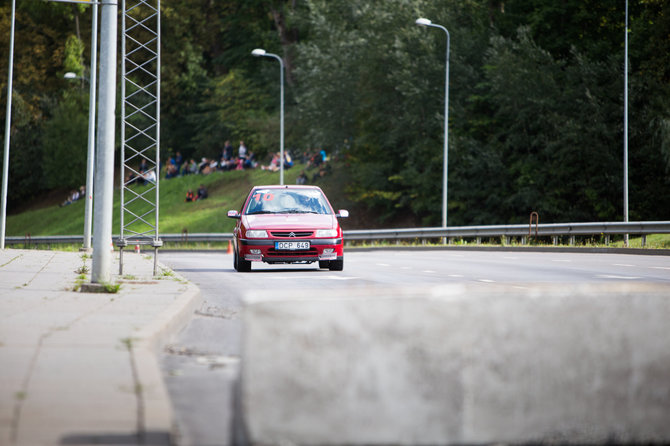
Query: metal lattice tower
(140, 130)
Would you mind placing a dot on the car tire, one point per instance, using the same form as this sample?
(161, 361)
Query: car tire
(323, 264)
(336, 265)
(244, 266)
(240, 265)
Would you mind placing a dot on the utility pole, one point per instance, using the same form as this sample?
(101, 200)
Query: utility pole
(8, 127)
(625, 130)
(90, 160)
(104, 159)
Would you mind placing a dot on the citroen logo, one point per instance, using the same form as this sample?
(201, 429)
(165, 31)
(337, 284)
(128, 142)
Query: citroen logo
(292, 234)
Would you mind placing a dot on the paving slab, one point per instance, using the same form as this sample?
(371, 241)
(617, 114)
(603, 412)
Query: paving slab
(81, 368)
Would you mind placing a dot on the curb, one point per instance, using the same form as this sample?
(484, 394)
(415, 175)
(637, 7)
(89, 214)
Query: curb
(155, 413)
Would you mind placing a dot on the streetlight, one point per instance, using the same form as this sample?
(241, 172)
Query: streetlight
(8, 125)
(71, 75)
(425, 22)
(90, 160)
(259, 52)
(625, 130)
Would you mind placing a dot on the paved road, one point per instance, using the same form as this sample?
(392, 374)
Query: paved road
(200, 366)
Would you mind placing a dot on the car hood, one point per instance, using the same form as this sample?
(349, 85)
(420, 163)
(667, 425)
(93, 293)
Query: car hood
(290, 221)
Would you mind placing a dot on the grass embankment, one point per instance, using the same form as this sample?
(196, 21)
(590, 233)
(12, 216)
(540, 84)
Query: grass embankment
(226, 191)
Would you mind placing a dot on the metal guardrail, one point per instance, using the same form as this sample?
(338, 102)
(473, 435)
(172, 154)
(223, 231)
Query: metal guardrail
(542, 230)
(522, 230)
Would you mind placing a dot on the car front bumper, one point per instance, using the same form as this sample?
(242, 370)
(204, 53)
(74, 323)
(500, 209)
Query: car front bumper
(263, 250)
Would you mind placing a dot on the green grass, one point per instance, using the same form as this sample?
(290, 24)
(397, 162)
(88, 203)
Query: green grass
(226, 190)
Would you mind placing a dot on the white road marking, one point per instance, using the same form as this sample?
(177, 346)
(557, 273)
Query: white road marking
(383, 264)
(405, 267)
(659, 267)
(621, 264)
(455, 275)
(607, 276)
(486, 280)
(313, 276)
(429, 271)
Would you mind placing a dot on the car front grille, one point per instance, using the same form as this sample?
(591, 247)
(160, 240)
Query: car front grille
(291, 234)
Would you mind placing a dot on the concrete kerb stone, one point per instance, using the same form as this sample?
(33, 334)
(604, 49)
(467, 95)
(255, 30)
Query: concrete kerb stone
(457, 365)
(157, 416)
(158, 413)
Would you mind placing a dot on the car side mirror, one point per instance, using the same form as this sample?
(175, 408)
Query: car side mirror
(234, 214)
(342, 213)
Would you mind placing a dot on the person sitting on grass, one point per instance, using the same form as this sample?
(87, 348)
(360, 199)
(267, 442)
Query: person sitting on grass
(189, 196)
(202, 193)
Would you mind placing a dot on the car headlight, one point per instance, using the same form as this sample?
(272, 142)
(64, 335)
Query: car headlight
(257, 234)
(326, 233)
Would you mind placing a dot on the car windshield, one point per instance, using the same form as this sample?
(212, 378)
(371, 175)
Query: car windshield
(287, 201)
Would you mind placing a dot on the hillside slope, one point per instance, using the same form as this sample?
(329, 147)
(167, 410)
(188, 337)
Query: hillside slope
(226, 191)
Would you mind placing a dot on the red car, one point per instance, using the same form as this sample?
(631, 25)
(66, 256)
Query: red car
(287, 224)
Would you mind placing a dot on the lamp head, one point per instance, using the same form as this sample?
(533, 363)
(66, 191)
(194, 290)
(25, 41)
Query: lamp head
(423, 22)
(70, 75)
(258, 52)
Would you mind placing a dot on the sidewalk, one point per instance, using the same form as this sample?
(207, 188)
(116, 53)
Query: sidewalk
(81, 368)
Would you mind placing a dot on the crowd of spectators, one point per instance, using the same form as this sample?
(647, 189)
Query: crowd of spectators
(230, 159)
(74, 195)
(176, 165)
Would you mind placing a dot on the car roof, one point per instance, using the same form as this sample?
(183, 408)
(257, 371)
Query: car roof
(287, 186)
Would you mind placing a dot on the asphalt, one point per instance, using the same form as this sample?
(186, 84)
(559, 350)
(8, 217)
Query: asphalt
(79, 368)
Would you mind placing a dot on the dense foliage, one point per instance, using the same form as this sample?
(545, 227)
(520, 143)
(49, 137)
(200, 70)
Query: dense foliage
(536, 98)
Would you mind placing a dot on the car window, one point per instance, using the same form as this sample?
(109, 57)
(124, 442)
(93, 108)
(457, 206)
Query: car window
(287, 201)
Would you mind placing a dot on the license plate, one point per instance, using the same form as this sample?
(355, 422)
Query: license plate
(291, 246)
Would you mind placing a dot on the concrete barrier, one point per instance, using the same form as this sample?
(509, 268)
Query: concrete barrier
(453, 365)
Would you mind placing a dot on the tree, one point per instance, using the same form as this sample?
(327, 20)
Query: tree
(64, 142)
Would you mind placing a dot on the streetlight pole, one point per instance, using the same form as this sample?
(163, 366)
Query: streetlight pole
(8, 125)
(426, 22)
(258, 52)
(104, 167)
(625, 130)
(90, 160)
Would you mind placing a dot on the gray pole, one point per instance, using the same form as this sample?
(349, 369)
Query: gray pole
(625, 130)
(258, 52)
(446, 135)
(90, 163)
(425, 22)
(104, 166)
(281, 121)
(8, 125)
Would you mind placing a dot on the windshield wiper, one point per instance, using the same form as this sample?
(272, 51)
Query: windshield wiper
(299, 211)
(262, 212)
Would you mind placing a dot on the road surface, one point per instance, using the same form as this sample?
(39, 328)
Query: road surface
(201, 364)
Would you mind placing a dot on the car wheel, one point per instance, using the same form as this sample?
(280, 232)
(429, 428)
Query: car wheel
(336, 265)
(235, 264)
(243, 266)
(324, 263)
